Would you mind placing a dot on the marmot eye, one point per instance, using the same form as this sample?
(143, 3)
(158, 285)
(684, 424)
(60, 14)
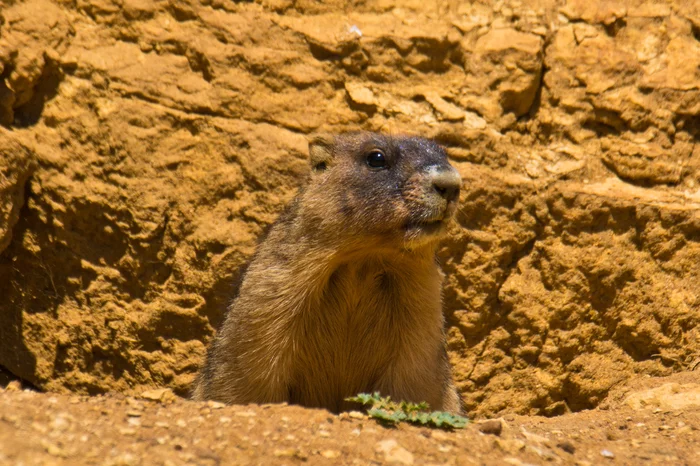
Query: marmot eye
(376, 159)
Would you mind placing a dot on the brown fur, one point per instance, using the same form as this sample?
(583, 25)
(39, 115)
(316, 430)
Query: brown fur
(344, 294)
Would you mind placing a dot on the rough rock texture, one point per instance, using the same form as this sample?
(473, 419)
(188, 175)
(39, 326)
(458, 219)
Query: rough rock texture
(16, 165)
(169, 134)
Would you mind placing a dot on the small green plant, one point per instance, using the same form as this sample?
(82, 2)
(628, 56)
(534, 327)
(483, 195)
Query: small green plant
(389, 412)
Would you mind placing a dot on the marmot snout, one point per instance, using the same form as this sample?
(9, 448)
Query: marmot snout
(344, 294)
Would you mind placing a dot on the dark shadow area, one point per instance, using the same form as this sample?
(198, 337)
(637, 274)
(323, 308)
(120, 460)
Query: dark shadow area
(46, 89)
(30, 286)
(15, 357)
(7, 377)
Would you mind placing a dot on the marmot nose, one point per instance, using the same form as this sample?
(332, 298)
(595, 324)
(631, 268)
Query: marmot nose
(447, 183)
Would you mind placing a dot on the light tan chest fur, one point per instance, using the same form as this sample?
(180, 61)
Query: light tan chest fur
(375, 325)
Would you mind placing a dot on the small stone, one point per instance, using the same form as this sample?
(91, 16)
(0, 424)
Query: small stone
(60, 422)
(160, 394)
(607, 454)
(330, 454)
(134, 421)
(492, 427)
(53, 450)
(14, 386)
(567, 446)
(290, 453)
(393, 452)
(215, 404)
(356, 415)
(285, 452)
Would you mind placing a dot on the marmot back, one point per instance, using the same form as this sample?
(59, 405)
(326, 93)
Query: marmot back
(344, 294)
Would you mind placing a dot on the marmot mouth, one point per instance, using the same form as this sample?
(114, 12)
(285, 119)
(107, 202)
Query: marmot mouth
(428, 228)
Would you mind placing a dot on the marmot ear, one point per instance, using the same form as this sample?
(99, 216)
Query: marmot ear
(321, 152)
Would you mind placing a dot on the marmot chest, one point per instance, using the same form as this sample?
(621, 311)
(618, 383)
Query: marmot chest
(364, 321)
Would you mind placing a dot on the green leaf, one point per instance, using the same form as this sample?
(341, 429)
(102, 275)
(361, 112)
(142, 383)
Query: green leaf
(391, 413)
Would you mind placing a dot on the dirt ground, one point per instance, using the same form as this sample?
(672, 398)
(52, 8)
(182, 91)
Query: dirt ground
(657, 423)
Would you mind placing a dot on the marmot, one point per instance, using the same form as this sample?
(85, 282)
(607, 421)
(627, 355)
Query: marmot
(344, 294)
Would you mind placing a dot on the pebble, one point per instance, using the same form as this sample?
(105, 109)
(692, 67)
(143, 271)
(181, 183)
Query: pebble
(492, 427)
(607, 454)
(14, 386)
(291, 453)
(567, 446)
(53, 450)
(215, 404)
(330, 454)
(285, 452)
(160, 394)
(393, 452)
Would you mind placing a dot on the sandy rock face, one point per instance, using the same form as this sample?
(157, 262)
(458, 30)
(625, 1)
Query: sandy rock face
(16, 165)
(168, 135)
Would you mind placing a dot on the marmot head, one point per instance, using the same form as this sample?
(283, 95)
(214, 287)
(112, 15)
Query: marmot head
(382, 190)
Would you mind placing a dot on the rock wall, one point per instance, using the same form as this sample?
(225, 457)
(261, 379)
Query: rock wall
(146, 144)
